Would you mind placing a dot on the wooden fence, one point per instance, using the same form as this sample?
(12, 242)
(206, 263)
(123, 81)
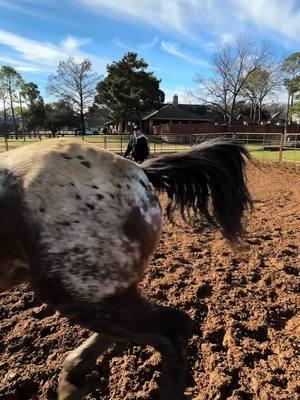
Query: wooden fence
(266, 145)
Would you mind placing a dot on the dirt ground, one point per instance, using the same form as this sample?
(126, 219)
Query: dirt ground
(244, 302)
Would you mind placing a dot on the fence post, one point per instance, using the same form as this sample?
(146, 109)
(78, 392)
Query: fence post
(281, 145)
(105, 143)
(191, 140)
(233, 136)
(6, 143)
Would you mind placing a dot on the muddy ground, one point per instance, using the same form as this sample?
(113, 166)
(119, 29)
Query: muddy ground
(244, 301)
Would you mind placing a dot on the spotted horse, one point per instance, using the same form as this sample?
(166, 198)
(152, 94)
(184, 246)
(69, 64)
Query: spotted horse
(81, 224)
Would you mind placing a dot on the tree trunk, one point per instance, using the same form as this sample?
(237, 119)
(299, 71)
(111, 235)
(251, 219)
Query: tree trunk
(288, 107)
(22, 116)
(259, 113)
(120, 127)
(292, 105)
(225, 113)
(82, 120)
(254, 114)
(232, 111)
(12, 111)
(5, 116)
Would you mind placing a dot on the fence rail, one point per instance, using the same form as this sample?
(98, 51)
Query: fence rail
(270, 146)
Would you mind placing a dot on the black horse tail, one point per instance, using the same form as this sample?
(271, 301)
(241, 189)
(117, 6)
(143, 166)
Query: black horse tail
(213, 170)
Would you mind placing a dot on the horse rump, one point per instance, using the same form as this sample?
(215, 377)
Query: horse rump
(208, 180)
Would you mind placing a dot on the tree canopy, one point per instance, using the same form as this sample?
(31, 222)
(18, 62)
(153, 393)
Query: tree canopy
(129, 88)
(29, 91)
(291, 68)
(60, 114)
(261, 83)
(10, 82)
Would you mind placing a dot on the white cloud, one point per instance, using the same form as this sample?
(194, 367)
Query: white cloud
(149, 45)
(18, 8)
(72, 43)
(32, 55)
(30, 50)
(141, 46)
(278, 16)
(226, 38)
(211, 45)
(26, 68)
(19, 64)
(172, 48)
(220, 19)
(118, 42)
(165, 15)
(46, 10)
(183, 17)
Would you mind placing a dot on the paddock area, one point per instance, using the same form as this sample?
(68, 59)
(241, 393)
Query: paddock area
(263, 146)
(244, 302)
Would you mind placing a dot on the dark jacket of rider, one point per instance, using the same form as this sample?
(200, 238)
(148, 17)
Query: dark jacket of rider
(138, 147)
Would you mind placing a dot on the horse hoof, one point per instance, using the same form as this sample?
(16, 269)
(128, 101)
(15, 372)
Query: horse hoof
(68, 391)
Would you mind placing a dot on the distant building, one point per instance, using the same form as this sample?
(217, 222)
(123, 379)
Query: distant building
(279, 118)
(170, 113)
(175, 113)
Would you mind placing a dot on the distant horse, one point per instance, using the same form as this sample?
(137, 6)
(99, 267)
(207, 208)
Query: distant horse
(81, 225)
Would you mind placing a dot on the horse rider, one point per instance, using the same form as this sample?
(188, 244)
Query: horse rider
(138, 146)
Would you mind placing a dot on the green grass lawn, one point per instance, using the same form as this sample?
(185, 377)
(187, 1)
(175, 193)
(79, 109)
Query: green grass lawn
(117, 144)
(287, 155)
(258, 152)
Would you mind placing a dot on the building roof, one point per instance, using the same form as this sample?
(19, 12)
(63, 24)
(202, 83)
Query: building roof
(278, 116)
(180, 112)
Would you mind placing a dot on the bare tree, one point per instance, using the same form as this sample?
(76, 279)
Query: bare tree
(75, 83)
(232, 66)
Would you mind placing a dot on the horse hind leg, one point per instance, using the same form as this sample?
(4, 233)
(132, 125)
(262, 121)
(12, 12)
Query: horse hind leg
(129, 318)
(14, 266)
(167, 330)
(79, 362)
(174, 371)
(174, 364)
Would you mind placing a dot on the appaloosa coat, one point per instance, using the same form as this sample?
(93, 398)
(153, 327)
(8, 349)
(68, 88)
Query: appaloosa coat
(81, 224)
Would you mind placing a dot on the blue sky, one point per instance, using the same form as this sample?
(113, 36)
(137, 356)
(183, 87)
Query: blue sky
(176, 37)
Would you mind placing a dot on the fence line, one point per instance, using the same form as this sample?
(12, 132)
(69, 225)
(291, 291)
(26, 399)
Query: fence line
(273, 146)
